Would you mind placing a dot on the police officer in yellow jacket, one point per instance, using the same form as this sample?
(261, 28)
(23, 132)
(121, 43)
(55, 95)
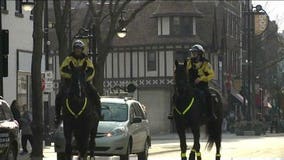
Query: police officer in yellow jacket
(200, 74)
(77, 58)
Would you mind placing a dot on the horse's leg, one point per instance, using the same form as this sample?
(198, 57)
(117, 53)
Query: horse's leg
(92, 140)
(82, 141)
(196, 146)
(182, 139)
(68, 138)
(218, 139)
(218, 146)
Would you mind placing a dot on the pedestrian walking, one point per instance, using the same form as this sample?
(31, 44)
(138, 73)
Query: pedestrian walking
(26, 129)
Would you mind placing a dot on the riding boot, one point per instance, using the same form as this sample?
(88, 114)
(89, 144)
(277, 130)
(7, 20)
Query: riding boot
(210, 110)
(63, 91)
(58, 106)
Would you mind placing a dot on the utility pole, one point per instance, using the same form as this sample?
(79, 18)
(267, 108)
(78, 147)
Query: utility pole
(1, 54)
(249, 60)
(46, 51)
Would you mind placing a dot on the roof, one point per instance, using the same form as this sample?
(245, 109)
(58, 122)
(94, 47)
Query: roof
(176, 8)
(143, 30)
(112, 99)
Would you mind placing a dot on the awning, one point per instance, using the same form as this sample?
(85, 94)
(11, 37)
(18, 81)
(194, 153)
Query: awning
(239, 98)
(267, 104)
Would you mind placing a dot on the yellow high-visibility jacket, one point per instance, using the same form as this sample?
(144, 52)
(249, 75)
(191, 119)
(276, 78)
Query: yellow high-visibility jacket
(204, 69)
(78, 62)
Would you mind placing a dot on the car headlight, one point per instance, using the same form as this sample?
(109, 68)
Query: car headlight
(120, 131)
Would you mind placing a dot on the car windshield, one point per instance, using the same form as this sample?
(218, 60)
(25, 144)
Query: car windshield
(114, 112)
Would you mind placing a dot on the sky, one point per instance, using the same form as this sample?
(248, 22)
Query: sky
(274, 9)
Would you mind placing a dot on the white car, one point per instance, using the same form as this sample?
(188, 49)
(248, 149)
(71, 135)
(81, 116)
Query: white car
(123, 130)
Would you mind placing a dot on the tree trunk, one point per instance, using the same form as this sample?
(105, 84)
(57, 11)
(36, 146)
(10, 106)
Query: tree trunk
(100, 66)
(61, 23)
(37, 123)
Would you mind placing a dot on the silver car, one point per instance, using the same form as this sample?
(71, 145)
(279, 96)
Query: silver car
(123, 130)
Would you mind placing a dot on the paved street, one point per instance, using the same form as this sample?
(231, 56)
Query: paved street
(166, 147)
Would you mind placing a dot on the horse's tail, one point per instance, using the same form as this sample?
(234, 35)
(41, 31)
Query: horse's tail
(214, 125)
(214, 132)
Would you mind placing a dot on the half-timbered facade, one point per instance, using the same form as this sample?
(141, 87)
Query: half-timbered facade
(162, 33)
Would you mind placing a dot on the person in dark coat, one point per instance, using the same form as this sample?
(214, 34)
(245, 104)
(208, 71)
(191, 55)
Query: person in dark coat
(15, 110)
(27, 134)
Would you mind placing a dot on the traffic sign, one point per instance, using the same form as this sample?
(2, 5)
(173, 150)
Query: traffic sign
(48, 77)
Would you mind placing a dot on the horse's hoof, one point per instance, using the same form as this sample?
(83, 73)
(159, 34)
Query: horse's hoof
(191, 156)
(183, 158)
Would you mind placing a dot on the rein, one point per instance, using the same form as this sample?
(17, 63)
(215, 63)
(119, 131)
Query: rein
(81, 111)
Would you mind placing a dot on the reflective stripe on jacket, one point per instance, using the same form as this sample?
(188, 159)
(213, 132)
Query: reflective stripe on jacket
(78, 62)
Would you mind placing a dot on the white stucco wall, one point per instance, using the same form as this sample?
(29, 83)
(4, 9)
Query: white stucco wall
(20, 37)
(157, 102)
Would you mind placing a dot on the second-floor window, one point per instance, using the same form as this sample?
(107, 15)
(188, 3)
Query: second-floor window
(163, 26)
(175, 26)
(18, 7)
(3, 5)
(181, 26)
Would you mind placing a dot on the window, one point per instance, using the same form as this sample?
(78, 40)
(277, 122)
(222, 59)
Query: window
(163, 26)
(181, 26)
(151, 61)
(138, 111)
(114, 112)
(3, 5)
(19, 8)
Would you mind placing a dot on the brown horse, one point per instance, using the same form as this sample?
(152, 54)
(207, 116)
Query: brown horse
(189, 113)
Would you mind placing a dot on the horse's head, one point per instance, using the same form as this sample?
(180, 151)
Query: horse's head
(181, 76)
(78, 80)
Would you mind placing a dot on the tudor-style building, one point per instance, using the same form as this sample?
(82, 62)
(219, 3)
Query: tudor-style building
(162, 33)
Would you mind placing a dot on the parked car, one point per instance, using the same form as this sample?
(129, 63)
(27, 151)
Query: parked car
(9, 132)
(123, 130)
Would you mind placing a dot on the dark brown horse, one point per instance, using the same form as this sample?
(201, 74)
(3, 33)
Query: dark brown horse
(189, 112)
(79, 114)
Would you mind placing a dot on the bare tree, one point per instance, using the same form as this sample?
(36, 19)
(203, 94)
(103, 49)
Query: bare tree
(61, 17)
(37, 123)
(107, 22)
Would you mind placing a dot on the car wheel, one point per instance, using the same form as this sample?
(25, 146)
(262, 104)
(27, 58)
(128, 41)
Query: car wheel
(12, 153)
(144, 155)
(60, 156)
(126, 156)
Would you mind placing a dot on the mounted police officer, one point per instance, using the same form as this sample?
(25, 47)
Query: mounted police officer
(78, 59)
(200, 74)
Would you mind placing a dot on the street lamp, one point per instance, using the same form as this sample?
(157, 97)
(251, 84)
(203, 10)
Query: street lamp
(121, 33)
(257, 23)
(89, 34)
(27, 5)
